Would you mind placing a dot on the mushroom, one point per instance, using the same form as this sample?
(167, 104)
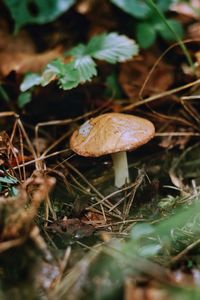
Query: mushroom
(112, 133)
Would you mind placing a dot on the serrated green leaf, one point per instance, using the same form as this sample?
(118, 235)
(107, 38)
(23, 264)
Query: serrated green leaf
(146, 35)
(36, 11)
(52, 70)
(23, 99)
(77, 51)
(30, 80)
(86, 68)
(109, 47)
(68, 77)
(56, 66)
(135, 8)
(71, 74)
(112, 47)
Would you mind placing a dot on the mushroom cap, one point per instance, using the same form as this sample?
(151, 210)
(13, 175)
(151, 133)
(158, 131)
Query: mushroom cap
(110, 133)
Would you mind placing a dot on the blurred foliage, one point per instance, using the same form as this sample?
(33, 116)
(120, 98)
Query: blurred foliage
(136, 256)
(36, 11)
(140, 9)
(149, 24)
(23, 99)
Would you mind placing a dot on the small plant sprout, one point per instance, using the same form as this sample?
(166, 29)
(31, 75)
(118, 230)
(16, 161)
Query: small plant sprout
(112, 133)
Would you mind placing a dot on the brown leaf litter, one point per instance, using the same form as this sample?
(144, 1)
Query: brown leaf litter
(19, 212)
(18, 53)
(133, 75)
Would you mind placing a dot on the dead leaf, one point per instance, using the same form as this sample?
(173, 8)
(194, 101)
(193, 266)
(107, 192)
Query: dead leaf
(197, 57)
(9, 155)
(20, 42)
(134, 292)
(170, 142)
(19, 159)
(176, 180)
(93, 218)
(73, 226)
(193, 31)
(84, 6)
(100, 20)
(18, 53)
(134, 73)
(69, 225)
(40, 144)
(190, 9)
(22, 63)
(190, 278)
(4, 145)
(19, 219)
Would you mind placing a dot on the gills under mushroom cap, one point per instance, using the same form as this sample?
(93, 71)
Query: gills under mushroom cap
(111, 133)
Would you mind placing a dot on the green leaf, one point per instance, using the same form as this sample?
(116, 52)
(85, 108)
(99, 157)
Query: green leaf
(146, 34)
(30, 80)
(13, 191)
(23, 99)
(77, 51)
(141, 230)
(163, 5)
(168, 34)
(135, 8)
(67, 74)
(149, 250)
(52, 70)
(70, 77)
(8, 180)
(4, 95)
(36, 11)
(85, 67)
(112, 47)
(112, 86)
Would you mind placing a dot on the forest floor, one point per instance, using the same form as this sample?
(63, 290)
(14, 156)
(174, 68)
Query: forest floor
(66, 231)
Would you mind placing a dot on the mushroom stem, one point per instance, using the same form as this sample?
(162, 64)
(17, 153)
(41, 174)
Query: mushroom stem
(120, 165)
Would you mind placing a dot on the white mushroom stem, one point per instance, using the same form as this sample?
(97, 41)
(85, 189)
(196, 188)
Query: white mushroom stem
(120, 166)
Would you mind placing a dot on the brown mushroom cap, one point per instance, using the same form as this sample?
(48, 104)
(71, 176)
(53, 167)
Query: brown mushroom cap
(110, 133)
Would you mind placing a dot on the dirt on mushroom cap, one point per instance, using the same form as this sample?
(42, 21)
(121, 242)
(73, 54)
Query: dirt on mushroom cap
(111, 133)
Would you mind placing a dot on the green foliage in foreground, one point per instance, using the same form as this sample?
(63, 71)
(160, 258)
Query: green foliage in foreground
(110, 47)
(149, 25)
(140, 9)
(113, 262)
(149, 245)
(37, 11)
